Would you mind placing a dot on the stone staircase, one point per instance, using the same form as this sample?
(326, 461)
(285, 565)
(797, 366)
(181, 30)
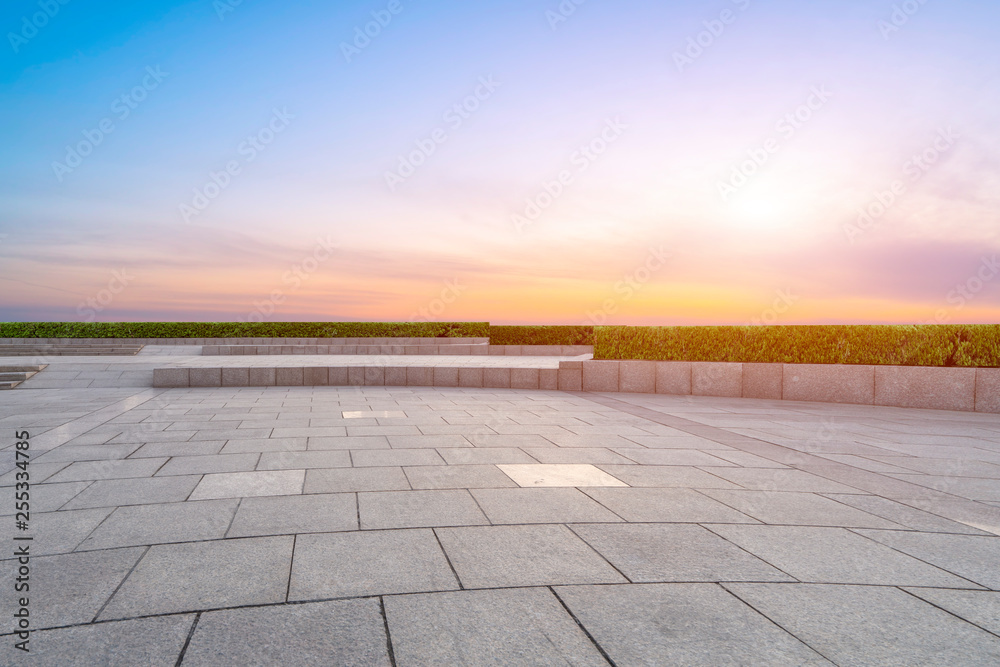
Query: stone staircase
(11, 376)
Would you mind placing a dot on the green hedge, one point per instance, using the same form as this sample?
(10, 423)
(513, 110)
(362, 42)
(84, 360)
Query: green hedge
(540, 335)
(244, 329)
(903, 345)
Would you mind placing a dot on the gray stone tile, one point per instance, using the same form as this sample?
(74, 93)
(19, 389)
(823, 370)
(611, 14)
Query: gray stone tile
(61, 532)
(599, 441)
(747, 460)
(283, 515)
(973, 557)
(249, 484)
(427, 441)
(350, 442)
(671, 552)
(244, 445)
(508, 556)
(496, 627)
(904, 515)
(835, 556)
(198, 465)
(980, 608)
(368, 563)
(404, 457)
(418, 509)
(346, 480)
(560, 505)
(152, 642)
(70, 588)
(797, 509)
(221, 573)
(344, 632)
(682, 624)
(304, 460)
(156, 524)
(666, 476)
(674, 505)
(964, 487)
(508, 441)
(485, 455)
(158, 449)
(871, 625)
(672, 457)
(765, 479)
(458, 477)
(144, 491)
(39, 472)
(679, 441)
(86, 453)
(578, 455)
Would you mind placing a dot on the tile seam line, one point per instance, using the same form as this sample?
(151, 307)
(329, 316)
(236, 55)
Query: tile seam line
(904, 589)
(267, 605)
(778, 625)
(586, 632)
(628, 408)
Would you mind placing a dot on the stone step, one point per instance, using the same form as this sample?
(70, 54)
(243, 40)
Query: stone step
(20, 368)
(67, 350)
(433, 350)
(8, 385)
(14, 377)
(345, 376)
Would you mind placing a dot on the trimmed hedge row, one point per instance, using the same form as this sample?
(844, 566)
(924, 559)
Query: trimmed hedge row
(901, 345)
(540, 335)
(244, 329)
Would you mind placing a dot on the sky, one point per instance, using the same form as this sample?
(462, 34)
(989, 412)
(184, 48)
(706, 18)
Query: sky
(539, 162)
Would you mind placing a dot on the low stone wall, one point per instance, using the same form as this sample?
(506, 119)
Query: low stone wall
(245, 341)
(969, 389)
(418, 349)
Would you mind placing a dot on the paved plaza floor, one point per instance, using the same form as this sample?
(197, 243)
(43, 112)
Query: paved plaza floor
(448, 526)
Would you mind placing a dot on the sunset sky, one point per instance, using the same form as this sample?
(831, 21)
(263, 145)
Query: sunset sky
(515, 161)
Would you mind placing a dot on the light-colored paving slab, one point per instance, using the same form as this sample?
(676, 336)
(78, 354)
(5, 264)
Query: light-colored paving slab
(249, 484)
(564, 474)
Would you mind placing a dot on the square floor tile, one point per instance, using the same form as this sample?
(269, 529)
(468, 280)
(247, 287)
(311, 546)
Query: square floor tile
(221, 573)
(558, 474)
(368, 563)
(248, 484)
(505, 556)
(675, 552)
(346, 480)
(871, 625)
(673, 505)
(457, 477)
(348, 633)
(835, 556)
(682, 624)
(497, 627)
(284, 515)
(559, 505)
(418, 509)
(157, 524)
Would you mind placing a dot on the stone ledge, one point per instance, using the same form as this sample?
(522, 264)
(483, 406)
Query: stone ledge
(963, 389)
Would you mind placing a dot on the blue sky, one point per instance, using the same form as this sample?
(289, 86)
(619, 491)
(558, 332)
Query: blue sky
(677, 136)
